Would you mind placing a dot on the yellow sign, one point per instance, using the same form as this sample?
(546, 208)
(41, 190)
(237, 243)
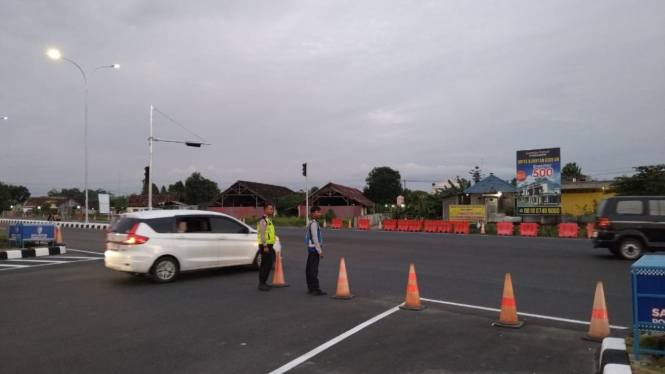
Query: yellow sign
(467, 212)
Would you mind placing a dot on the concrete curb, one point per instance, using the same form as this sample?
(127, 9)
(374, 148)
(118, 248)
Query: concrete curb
(71, 225)
(614, 357)
(32, 252)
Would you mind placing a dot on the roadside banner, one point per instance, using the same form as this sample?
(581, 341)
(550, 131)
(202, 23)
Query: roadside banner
(539, 181)
(467, 212)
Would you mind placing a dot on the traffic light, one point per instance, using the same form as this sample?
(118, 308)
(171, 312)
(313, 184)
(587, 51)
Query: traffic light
(304, 169)
(147, 174)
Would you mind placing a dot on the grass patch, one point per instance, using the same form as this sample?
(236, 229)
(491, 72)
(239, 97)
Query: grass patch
(648, 364)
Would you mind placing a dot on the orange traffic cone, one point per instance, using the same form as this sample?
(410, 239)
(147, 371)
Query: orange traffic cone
(412, 295)
(351, 220)
(380, 226)
(343, 291)
(600, 324)
(325, 224)
(58, 236)
(482, 228)
(508, 317)
(278, 274)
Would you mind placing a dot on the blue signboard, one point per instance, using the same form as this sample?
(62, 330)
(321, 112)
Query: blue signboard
(648, 275)
(22, 233)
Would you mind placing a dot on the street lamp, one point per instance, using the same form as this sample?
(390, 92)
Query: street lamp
(55, 54)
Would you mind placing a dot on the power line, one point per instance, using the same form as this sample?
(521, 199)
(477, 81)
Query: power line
(183, 127)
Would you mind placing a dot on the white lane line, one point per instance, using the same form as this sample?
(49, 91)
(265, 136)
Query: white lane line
(13, 266)
(31, 260)
(329, 344)
(78, 250)
(16, 267)
(74, 257)
(521, 314)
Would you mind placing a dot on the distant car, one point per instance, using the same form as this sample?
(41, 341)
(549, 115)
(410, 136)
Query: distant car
(629, 226)
(166, 242)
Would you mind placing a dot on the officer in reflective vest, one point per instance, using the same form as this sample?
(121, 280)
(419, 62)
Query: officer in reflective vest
(266, 241)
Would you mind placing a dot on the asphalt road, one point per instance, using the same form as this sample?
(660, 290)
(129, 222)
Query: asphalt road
(84, 318)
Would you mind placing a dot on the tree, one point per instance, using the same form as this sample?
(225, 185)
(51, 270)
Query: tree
(178, 188)
(18, 194)
(648, 181)
(476, 175)
(288, 205)
(571, 170)
(120, 203)
(514, 182)
(456, 187)
(313, 189)
(162, 191)
(199, 190)
(383, 185)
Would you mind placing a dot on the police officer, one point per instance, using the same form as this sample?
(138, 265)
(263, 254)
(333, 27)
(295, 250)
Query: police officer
(266, 241)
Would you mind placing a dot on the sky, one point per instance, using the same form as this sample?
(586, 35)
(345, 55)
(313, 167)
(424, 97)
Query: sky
(430, 88)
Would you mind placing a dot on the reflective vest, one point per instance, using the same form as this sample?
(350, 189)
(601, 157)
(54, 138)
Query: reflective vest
(270, 231)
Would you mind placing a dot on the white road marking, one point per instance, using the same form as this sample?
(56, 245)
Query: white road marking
(15, 267)
(78, 250)
(93, 258)
(521, 314)
(329, 344)
(30, 259)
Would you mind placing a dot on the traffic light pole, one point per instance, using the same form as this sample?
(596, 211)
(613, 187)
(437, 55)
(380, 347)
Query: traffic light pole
(150, 165)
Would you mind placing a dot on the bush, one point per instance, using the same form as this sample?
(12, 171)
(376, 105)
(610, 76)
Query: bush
(490, 229)
(4, 241)
(548, 231)
(330, 214)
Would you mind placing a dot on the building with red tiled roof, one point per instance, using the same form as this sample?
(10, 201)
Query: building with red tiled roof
(246, 199)
(344, 201)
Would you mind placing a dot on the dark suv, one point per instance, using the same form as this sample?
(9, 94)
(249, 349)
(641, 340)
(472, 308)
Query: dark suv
(630, 225)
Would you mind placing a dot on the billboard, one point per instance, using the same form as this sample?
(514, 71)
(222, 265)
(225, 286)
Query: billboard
(467, 212)
(104, 203)
(539, 181)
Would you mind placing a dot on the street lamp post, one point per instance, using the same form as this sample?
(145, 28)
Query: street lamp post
(55, 54)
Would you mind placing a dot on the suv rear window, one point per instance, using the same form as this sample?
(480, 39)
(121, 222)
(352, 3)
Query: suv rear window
(159, 225)
(657, 208)
(629, 207)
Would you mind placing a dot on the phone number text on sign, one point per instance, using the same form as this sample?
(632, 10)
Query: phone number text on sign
(539, 210)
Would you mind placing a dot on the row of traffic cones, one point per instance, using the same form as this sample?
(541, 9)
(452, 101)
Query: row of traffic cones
(599, 327)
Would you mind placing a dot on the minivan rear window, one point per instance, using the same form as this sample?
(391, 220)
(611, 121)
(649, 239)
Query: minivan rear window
(159, 225)
(628, 207)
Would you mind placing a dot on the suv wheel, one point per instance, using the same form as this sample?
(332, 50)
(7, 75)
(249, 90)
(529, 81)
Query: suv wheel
(630, 249)
(165, 270)
(257, 261)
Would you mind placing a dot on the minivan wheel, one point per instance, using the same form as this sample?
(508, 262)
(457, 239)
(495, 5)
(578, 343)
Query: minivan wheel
(165, 270)
(630, 249)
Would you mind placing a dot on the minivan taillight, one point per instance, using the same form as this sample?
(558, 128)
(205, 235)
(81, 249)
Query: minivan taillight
(604, 223)
(132, 238)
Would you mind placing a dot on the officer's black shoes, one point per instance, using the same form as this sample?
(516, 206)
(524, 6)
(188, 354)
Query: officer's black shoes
(264, 287)
(319, 293)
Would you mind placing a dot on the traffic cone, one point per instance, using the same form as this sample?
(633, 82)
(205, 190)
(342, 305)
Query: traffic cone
(343, 291)
(412, 295)
(600, 324)
(482, 228)
(380, 226)
(325, 224)
(351, 220)
(508, 317)
(58, 236)
(278, 274)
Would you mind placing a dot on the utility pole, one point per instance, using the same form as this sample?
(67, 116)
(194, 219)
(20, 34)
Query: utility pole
(304, 173)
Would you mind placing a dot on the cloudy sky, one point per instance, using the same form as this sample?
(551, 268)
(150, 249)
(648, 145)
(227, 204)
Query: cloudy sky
(430, 88)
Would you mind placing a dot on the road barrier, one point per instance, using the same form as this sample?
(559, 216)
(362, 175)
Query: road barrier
(363, 224)
(390, 224)
(528, 229)
(461, 227)
(403, 225)
(336, 223)
(589, 229)
(416, 226)
(504, 228)
(568, 230)
(446, 227)
(429, 226)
